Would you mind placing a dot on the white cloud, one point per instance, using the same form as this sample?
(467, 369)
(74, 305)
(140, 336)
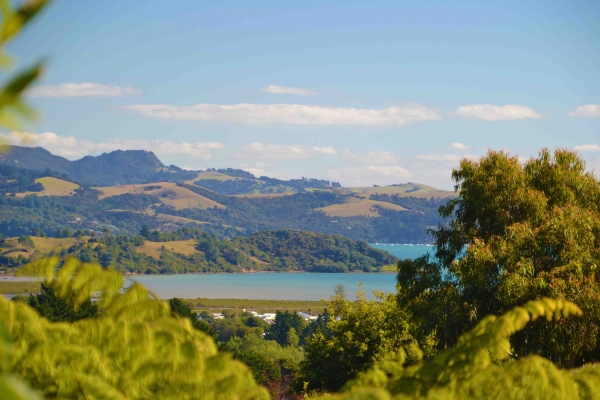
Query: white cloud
(459, 146)
(368, 175)
(86, 89)
(589, 111)
(444, 158)
(489, 112)
(371, 158)
(73, 148)
(290, 114)
(588, 147)
(263, 151)
(274, 89)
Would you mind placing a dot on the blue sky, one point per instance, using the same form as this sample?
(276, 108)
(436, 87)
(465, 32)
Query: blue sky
(362, 92)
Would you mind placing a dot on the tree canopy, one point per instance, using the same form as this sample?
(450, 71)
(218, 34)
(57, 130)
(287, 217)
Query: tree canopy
(516, 232)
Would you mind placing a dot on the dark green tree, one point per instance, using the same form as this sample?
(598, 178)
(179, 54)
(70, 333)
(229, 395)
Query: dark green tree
(184, 310)
(284, 321)
(57, 309)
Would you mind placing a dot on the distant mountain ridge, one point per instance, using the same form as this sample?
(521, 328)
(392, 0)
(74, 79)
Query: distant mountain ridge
(126, 167)
(118, 167)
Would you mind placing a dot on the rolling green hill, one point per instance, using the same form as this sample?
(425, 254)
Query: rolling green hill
(192, 250)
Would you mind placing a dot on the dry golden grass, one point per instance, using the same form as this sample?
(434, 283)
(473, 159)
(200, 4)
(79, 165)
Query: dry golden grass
(42, 245)
(53, 187)
(353, 207)
(423, 191)
(168, 193)
(153, 249)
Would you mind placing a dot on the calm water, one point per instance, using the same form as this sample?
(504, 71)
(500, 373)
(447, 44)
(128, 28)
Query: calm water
(403, 251)
(267, 285)
(277, 286)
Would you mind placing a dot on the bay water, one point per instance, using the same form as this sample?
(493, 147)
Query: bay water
(274, 285)
(279, 286)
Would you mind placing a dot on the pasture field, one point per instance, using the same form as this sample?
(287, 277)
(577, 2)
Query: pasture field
(260, 306)
(169, 193)
(53, 187)
(43, 245)
(11, 287)
(355, 206)
(211, 175)
(152, 249)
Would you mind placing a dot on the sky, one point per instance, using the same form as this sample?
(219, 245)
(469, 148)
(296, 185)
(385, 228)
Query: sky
(360, 92)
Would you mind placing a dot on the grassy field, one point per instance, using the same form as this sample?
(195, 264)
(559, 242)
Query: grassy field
(152, 249)
(43, 245)
(389, 268)
(168, 193)
(53, 187)
(354, 206)
(10, 287)
(260, 306)
(406, 190)
(211, 175)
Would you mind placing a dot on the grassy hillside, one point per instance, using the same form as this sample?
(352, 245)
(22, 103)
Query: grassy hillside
(358, 206)
(43, 245)
(168, 193)
(155, 249)
(53, 187)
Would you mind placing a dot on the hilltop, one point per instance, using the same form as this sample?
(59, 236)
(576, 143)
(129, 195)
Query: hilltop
(225, 202)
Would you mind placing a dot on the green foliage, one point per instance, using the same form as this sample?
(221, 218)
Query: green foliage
(515, 233)
(365, 332)
(284, 321)
(291, 250)
(26, 242)
(184, 310)
(134, 348)
(278, 251)
(269, 361)
(57, 309)
(473, 369)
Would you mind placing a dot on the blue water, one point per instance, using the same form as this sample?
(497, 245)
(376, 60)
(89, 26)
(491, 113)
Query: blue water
(267, 285)
(278, 286)
(404, 251)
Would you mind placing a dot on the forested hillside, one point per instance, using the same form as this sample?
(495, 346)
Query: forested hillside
(50, 201)
(192, 250)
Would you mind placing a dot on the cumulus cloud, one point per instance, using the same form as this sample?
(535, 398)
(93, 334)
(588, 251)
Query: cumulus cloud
(459, 146)
(489, 112)
(368, 175)
(371, 158)
(274, 89)
(264, 151)
(589, 111)
(86, 89)
(295, 114)
(73, 148)
(588, 147)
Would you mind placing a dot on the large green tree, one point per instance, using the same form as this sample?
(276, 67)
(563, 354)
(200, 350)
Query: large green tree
(516, 232)
(364, 332)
